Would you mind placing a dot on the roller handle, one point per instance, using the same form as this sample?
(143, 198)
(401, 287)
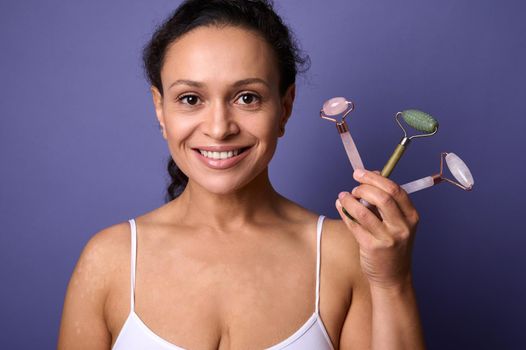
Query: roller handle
(351, 150)
(418, 185)
(395, 157)
(386, 171)
(354, 157)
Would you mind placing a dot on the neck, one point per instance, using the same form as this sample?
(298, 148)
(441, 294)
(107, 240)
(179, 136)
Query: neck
(253, 203)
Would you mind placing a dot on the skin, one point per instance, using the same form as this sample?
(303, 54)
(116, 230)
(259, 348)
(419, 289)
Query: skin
(230, 263)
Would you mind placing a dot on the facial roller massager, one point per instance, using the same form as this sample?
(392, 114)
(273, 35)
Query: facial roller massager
(338, 106)
(455, 165)
(418, 120)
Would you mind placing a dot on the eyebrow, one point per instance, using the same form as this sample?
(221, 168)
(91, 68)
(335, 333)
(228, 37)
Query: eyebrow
(250, 81)
(186, 82)
(238, 83)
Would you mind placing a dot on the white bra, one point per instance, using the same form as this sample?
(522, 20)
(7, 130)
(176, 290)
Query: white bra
(136, 335)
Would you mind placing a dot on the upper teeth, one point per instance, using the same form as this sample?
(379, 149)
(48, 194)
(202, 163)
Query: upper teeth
(219, 155)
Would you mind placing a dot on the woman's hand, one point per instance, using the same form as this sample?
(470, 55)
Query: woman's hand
(385, 240)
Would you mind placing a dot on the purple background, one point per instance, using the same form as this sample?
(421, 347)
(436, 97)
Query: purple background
(80, 148)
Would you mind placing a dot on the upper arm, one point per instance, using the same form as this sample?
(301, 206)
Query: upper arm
(83, 325)
(356, 330)
(357, 326)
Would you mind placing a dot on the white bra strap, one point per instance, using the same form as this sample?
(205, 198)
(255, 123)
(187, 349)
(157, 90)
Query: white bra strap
(318, 261)
(133, 259)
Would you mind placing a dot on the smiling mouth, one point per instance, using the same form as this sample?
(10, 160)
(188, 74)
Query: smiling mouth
(221, 155)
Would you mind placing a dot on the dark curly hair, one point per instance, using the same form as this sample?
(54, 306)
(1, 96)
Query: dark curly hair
(256, 15)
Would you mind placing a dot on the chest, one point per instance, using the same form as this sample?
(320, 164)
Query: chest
(218, 298)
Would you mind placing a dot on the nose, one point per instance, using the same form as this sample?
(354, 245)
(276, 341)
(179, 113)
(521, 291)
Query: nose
(220, 123)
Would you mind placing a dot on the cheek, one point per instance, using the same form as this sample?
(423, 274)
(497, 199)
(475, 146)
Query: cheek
(265, 129)
(179, 129)
(267, 124)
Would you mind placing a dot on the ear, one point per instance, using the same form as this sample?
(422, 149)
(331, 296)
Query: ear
(158, 104)
(287, 102)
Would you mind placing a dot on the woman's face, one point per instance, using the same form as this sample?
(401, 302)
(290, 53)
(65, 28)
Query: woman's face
(221, 109)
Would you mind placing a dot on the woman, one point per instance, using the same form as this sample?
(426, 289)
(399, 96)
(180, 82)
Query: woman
(229, 263)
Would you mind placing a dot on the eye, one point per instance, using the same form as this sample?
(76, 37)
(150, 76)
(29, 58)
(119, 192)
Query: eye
(191, 100)
(248, 98)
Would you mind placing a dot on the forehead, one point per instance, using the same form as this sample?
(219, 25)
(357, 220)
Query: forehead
(216, 54)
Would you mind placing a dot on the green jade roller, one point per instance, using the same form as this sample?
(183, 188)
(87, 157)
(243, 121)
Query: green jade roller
(418, 120)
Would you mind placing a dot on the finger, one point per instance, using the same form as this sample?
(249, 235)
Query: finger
(362, 236)
(402, 199)
(384, 202)
(362, 215)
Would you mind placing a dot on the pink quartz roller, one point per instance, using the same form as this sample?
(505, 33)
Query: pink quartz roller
(456, 166)
(340, 106)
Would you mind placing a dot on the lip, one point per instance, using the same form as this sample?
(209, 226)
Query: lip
(221, 164)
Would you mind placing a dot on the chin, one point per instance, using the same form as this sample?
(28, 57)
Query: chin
(223, 185)
(220, 186)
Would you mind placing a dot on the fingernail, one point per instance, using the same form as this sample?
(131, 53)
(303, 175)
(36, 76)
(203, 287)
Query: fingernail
(342, 194)
(359, 173)
(338, 204)
(354, 190)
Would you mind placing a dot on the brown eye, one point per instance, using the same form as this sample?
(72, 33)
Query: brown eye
(247, 99)
(189, 99)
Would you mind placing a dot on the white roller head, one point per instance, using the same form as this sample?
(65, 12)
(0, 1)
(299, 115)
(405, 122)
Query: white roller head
(335, 106)
(459, 170)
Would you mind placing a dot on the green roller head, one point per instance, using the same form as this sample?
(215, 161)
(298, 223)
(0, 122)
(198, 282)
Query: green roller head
(420, 120)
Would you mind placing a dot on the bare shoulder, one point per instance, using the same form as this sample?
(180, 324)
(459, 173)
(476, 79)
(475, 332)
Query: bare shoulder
(340, 249)
(105, 250)
(83, 322)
